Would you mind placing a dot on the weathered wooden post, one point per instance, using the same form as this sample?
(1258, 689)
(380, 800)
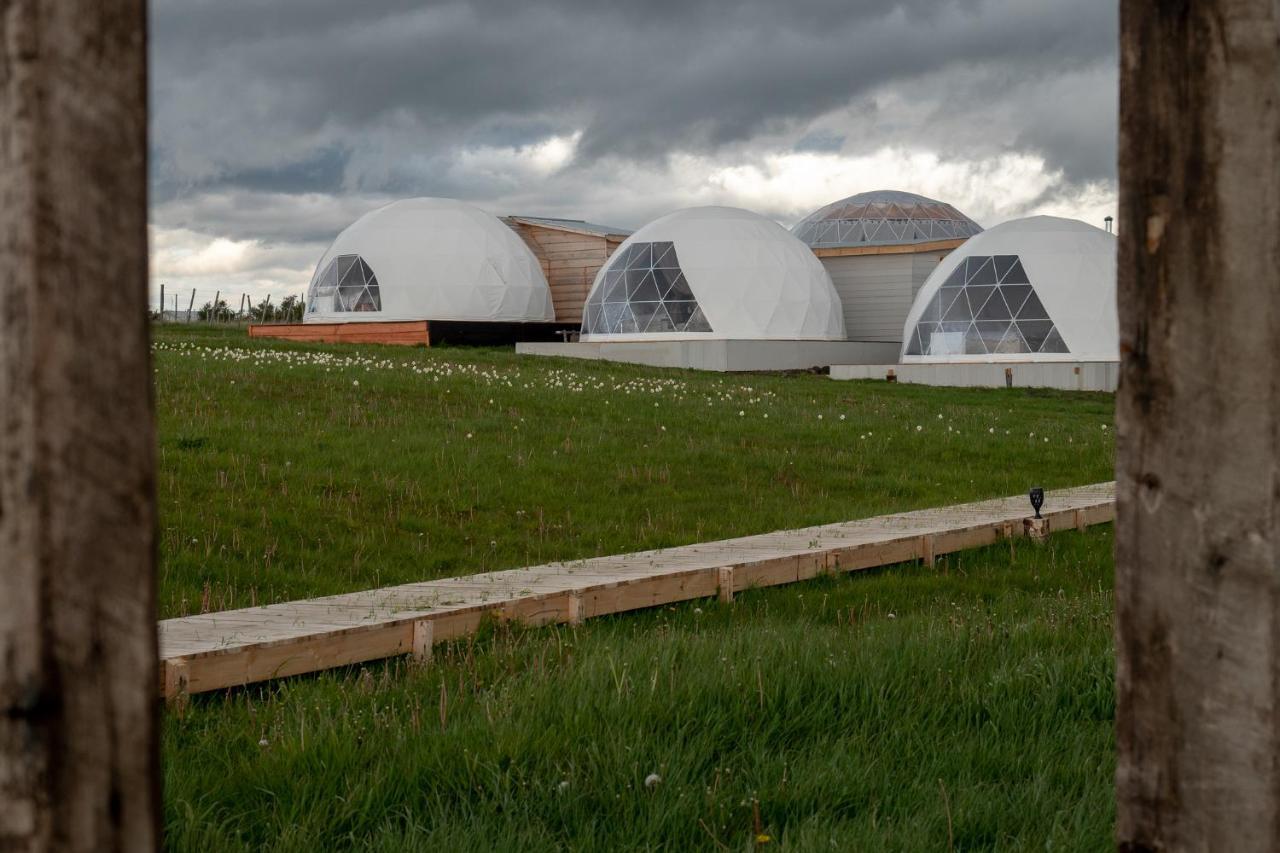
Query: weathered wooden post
(78, 713)
(1197, 572)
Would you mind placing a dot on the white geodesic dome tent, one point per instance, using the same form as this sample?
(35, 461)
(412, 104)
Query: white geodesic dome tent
(712, 272)
(428, 259)
(1036, 289)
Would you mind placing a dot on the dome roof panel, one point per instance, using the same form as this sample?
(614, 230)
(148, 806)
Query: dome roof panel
(883, 218)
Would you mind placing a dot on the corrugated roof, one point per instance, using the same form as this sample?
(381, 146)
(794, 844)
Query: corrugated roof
(573, 225)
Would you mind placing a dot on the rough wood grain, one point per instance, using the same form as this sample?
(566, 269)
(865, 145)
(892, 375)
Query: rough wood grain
(78, 746)
(216, 650)
(1198, 412)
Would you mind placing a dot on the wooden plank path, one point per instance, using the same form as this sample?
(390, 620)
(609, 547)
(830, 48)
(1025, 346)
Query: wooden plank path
(234, 647)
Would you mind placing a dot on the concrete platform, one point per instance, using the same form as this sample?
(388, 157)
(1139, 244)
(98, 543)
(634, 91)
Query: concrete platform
(1064, 375)
(726, 356)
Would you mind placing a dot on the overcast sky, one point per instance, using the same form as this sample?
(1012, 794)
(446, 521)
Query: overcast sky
(275, 123)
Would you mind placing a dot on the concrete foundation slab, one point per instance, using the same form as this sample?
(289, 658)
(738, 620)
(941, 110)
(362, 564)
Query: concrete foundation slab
(1064, 375)
(720, 355)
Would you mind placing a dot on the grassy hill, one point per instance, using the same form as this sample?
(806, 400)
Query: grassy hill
(968, 706)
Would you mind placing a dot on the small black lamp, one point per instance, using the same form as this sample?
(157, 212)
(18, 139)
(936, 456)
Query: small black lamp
(1037, 499)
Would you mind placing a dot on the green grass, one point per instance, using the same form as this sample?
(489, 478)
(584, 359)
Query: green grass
(861, 712)
(281, 477)
(968, 706)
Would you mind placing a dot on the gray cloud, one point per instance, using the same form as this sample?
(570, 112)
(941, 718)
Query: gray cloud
(280, 94)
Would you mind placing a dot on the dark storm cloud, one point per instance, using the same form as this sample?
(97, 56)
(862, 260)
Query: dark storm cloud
(378, 97)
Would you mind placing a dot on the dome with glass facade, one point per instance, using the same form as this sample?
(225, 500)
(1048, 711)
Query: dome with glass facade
(883, 218)
(1036, 289)
(428, 259)
(712, 272)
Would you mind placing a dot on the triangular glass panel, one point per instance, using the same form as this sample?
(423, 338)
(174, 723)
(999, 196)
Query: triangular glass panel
(985, 272)
(347, 297)
(367, 301)
(611, 316)
(664, 278)
(646, 291)
(958, 310)
(1032, 309)
(615, 287)
(1016, 274)
(933, 311)
(680, 312)
(978, 295)
(956, 279)
(994, 309)
(627, 324)
(368, 273)
(328, 280)
(660, 321)
(991, 332)
(973, 342)
(1034, 332)
(664, 256)
(345, 262)
(679, 289)
(1004, 263)
(698, 322)
(1054, 342)
(948, 295)
(1015, 295)
(641, 257)
(1012, 342)
(634, 277)
(643, 312)
(913, 342)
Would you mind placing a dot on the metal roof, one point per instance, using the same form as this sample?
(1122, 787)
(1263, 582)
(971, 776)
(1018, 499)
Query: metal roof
(574, 225)
(883, 218)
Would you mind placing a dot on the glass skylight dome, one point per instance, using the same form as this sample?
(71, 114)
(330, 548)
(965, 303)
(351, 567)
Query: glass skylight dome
(1036, 289)
(428, 259)
(883, 218)
(712, 272)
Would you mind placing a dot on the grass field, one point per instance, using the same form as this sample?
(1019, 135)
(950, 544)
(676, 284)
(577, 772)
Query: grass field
(290, 471)
(968, 706)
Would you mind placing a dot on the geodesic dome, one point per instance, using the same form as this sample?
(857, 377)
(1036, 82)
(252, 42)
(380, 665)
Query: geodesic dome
(428, 259)
(717, 272)
(1036, 289)
(883, 218)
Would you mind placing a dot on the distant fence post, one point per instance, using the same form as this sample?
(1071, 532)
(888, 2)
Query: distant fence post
(1198, 492)
(78, 675)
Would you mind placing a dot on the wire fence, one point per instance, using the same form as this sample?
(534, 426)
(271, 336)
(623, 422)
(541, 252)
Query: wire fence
(214, 306)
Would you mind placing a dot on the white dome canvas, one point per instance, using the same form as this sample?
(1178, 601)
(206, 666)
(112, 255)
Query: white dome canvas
(712, 272)
(428, 259)
(1036, 289)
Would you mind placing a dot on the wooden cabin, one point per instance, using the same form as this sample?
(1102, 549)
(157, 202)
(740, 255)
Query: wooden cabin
(571, 252)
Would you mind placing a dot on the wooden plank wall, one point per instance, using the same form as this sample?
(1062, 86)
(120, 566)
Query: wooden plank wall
(570, 261)
(407, 333)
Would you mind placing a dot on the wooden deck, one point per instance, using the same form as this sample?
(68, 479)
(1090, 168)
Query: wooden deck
(404, 333)
(230, 648)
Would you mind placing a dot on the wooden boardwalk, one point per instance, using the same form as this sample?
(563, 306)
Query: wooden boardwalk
(234, 647)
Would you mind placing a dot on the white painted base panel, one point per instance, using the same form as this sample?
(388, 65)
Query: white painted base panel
(721, 355)
(1065, 375)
